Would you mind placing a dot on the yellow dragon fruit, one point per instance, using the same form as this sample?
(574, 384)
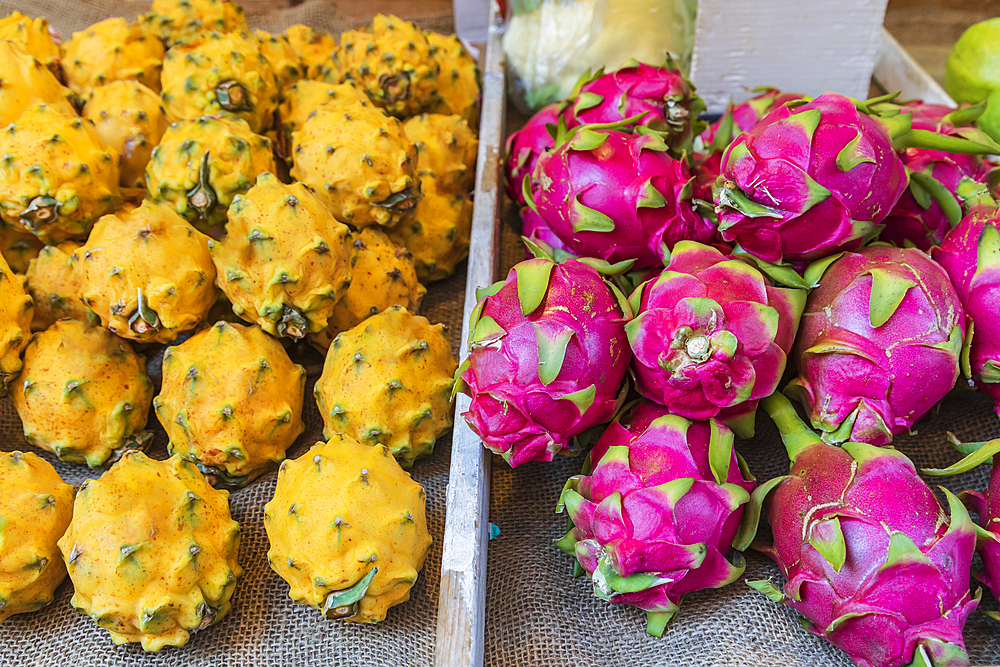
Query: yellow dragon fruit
(458, 81)
(281, 55)
(57, 176)
(147, 274)
(306, 96)
(439, 232)
(152, 586)
(202, 164)
(382, 276)
(314, 49)
(83, 393)
(130, 119)
(348, 530)
(284, 260)
(392, 61)
(15, 323)
(113, 50)
(55, 287)
(35, 509)
(33, 36)
(18, 247)
(222, 74)
(231, 433)
(179, 21)
(359, 162)
(447, 148)
(27, 83)
(388, 381)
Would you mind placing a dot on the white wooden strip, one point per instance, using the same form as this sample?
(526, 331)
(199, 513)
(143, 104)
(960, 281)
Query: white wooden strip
(805, 46)
(896, 70)
(462, 602)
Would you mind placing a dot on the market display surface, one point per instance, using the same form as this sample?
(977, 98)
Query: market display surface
(843, 365)
(223, 207)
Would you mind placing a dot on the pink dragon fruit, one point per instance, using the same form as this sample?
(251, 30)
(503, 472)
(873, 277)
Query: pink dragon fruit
(869, 555)
(808, 181)
(655, 511)
(547, 357)
(988, 509)
(743, 116)
(711, 335)
(524, 146)
(970, 253)
(617, 196)
(879, 343)
(537, 231)
(940, 185)
(667, 100)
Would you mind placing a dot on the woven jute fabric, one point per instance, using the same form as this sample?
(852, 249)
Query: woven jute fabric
(265, 628)
(538, 614)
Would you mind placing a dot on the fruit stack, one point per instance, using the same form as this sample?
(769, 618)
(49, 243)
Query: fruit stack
(182, 187)
(838, 252)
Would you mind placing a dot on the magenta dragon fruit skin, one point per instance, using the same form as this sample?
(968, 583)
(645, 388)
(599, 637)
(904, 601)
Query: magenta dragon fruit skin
(747, 114)
(970, 253)
(524, 146)
(868, 552)
(656, 510)
(547, 358)
(879, 343)
(536, 230)
(667, 100)
(918, 217)
(808, 181)
(711, 335)
(617, 196)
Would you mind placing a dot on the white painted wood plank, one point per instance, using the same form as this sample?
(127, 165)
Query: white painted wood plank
(805, 46)
(896, 70)
(462, 602)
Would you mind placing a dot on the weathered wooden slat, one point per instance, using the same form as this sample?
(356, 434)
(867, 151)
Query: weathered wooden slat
(896, 70)
(462, 601)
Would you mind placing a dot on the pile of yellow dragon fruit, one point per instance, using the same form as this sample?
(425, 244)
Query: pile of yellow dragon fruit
(181, 181)
(844, 254)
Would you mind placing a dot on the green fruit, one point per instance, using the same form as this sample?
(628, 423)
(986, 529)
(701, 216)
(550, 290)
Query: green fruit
(989, 122)
(973, 68)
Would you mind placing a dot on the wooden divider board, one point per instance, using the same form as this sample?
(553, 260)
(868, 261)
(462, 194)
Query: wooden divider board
(462, 602)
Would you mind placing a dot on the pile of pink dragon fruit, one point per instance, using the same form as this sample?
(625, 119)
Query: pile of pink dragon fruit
(831, 261)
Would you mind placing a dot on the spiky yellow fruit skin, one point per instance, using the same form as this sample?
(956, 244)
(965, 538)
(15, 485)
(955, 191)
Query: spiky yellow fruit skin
(201, 188)
(392, 61)
(231, 402)
(130, 119)
(55, 287)
(56, 175)
(382, 276)
(15, 323)
(439, 232)
(35, 509)
(313, 47)
(458, 82)
(147, 274)
(18, 247)
(345, 515)
(281, 55)
(27, 83)
(223, 74)
(388, 382)
(186, 20)
(305, 97)
(284, 262)
(33, 36)
(152, 551)
(359, 162)
(82, 393)
(447, 148)
(113, 50)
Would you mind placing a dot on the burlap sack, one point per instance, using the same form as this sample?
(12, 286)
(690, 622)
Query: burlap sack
(265, 627)
(538, 614)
